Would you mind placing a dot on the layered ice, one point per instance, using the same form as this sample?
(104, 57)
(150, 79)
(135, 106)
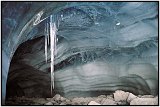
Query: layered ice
(102, 46)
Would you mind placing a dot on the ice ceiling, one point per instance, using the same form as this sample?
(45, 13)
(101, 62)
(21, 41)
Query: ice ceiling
(101, 46)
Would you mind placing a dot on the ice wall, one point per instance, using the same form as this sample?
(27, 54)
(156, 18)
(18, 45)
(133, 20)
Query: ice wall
(118, 39)
(92, 73)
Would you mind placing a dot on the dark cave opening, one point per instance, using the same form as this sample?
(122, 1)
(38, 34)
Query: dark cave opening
(23, 78)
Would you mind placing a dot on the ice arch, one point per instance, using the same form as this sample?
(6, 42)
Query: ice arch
(101, 35)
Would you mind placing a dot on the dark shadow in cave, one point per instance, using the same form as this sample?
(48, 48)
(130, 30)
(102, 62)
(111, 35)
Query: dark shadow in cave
(24, 79)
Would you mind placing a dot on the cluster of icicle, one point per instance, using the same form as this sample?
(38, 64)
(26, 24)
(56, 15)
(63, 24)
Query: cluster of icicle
(50, 39)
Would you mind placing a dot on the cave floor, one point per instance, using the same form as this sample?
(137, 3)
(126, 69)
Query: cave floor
(117, 98)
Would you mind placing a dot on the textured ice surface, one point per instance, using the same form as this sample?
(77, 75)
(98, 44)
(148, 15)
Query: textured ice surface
(96, 41)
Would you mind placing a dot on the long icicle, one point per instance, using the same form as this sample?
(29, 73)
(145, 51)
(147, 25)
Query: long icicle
(53, 30)
(46, 36)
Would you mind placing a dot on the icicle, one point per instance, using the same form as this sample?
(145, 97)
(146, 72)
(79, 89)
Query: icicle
(46, 48)
(48, 32)
(46, 36)
(53, 30)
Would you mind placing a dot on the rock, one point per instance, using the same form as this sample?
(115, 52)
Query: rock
(57, 97)
(156, 97)
(53, 102)
(68, 102)
(56, 103)
(122, 103)
(74, 103)
(144, 101)
(49, 103)
(131, 97)
(48, 99)
(79, 101)
(108, 102)
(102, 96)
(63, 103)
(110, 97)
(98, 100)
(93, 103)
(147, 96)
(89, 99)
(120, 95)
(63, 99)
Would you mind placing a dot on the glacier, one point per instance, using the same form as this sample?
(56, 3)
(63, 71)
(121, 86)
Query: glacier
(99, 47)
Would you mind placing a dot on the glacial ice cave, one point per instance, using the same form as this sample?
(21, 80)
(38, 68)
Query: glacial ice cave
(79, 49)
